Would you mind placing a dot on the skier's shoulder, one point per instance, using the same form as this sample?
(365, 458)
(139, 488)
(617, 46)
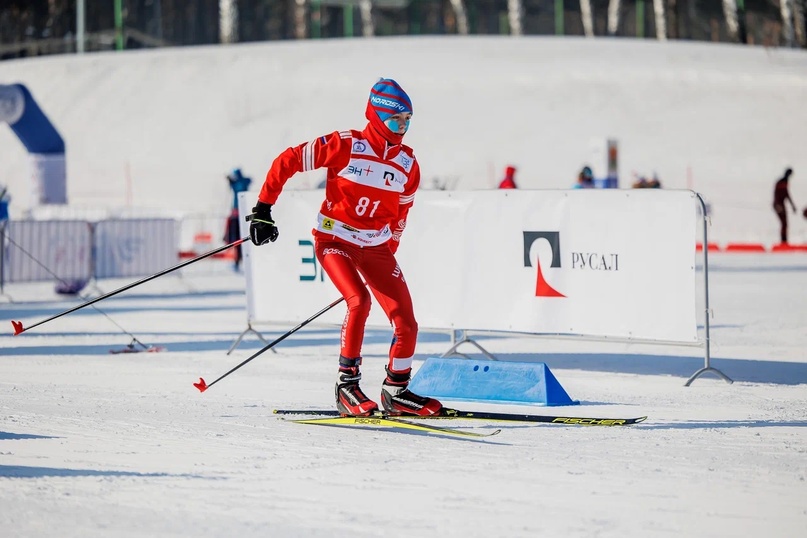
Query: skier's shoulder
(335, 136)
(408, 151)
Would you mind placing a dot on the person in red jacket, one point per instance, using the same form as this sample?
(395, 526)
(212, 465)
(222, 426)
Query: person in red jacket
(780, 195)
(509, 181)
(370, 187)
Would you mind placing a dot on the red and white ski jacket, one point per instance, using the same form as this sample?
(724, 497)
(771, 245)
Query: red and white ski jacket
(369, 190)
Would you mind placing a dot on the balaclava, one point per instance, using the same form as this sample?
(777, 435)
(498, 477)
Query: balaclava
(387, 98)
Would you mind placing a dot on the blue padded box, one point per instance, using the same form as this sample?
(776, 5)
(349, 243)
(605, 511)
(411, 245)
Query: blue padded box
(489, 381)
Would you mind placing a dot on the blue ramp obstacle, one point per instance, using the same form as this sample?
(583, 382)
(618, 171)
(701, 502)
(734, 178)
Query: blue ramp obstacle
(489, 381)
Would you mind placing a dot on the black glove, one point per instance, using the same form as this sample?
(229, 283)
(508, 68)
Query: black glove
(262, 228)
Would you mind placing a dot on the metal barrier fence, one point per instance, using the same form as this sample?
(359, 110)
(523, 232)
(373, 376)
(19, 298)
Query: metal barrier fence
(37, 250)
(126, 248)
(44, 250)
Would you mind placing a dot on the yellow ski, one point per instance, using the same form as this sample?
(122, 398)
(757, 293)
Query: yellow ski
(378, 422)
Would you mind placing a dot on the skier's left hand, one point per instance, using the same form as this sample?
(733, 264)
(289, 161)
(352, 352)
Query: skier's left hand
(262, 228)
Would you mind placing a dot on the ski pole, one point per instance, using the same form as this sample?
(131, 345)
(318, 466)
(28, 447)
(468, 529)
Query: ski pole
(57, 277)
(202, 386)
(18, 328)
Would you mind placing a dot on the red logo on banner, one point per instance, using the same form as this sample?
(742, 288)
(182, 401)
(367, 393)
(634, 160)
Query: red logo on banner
(542, 287)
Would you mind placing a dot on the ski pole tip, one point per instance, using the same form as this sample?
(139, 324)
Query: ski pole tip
(17, 327)
(201, 385)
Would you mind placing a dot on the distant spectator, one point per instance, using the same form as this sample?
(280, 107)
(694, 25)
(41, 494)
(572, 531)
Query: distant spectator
(780, 195)
(232, 233)
(509, 181)
(238, 183)
(4, 200)
(585, 179)
(642, 182)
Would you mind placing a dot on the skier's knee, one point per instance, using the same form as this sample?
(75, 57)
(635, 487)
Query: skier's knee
(359, 303)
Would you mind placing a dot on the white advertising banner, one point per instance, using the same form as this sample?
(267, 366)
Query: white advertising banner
(606, 263)
(135, 247)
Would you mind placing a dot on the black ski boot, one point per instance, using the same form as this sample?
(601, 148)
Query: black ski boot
(397, 399)
(350, 400)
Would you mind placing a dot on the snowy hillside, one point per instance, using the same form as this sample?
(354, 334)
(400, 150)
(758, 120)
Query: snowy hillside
(160, 128)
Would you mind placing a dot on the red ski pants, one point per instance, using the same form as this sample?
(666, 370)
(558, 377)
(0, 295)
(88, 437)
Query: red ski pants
(346, 264)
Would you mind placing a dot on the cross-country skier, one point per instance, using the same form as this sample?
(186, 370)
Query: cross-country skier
(371, 182)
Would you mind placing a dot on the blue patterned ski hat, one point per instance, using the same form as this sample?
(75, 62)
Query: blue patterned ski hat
(387, 98)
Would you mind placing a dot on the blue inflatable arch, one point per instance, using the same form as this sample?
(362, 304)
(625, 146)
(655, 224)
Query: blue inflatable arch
(40, 138)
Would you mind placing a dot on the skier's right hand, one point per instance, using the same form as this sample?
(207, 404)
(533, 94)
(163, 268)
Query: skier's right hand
(262, 228)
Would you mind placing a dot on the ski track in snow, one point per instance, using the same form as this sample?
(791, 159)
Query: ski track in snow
(93, 444)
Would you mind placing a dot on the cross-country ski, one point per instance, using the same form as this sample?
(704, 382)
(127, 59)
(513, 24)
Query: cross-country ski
(386, 422)
(448, 413)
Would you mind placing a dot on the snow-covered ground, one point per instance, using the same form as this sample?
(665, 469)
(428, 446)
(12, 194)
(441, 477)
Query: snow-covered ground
(96, 444)
(93, 444)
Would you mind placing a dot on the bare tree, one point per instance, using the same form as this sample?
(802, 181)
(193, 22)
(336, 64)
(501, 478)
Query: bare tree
(672, 16)
(730, 12)
(798, 21)
(588, 18)
(661, 20)
(300, 19)
(614, 7)
(461, 15)
(515, 16)
(367, 24)
(228, 21)
(786, 8)
(57, 22)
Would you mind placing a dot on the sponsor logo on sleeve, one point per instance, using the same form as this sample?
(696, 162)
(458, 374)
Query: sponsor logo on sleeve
(406, 162)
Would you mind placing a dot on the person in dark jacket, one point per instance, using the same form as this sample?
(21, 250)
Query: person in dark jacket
(585, 179)
(780, 195)
(238, 183)
(4, 201)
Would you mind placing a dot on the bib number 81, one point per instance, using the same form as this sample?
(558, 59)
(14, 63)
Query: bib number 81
(364, 203)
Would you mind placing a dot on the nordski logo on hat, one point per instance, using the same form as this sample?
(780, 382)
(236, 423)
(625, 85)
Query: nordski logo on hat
(388, 103)
(387, 98)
